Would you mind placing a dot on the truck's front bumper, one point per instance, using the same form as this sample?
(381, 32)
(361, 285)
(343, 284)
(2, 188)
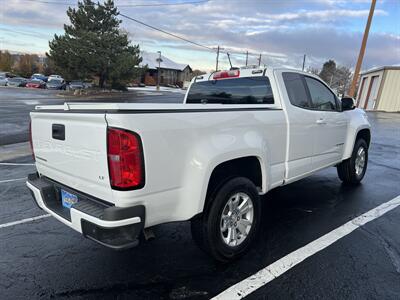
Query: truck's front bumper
(114, 227)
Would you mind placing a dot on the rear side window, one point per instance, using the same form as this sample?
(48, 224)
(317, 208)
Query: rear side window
(296, 89)
(245, 90)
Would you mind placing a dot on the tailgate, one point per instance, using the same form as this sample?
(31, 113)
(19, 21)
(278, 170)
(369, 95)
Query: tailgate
(71, 148)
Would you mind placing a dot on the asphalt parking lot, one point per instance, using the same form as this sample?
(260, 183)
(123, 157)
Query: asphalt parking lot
(16, 103)
(42, 258)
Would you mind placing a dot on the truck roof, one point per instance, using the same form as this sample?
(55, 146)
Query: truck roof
(249, 71)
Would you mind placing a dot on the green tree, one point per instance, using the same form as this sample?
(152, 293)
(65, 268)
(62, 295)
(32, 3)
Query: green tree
(95, 46)
(6, 61)
(328, 71)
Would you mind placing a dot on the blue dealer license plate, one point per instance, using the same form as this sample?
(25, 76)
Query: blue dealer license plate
(68, 199)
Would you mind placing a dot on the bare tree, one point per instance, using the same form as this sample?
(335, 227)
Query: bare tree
(313, 70)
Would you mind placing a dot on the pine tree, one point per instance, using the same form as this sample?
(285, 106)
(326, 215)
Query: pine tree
(94, 46)
(328, 71)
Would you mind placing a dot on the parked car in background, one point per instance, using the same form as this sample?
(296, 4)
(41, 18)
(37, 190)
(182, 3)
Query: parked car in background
(55, 77)
(39, 76)
(87, 85)
(17, 82)
(3, 80)
(76, 85)
(36, 83)
(56, 84)
(7, 74)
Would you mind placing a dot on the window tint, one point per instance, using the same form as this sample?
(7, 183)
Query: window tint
(296, 89)
(321, 97)
(246, 90)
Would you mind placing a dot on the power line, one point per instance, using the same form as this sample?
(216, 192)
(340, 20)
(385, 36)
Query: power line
(121, 5)
(187, 40)
(161, 30)
(27, 33)
(166, 32)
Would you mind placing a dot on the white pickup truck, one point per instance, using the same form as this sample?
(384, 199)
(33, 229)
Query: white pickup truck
(111, 171)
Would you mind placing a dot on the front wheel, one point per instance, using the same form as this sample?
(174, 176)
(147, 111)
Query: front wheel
(352, 170)
(229, 224)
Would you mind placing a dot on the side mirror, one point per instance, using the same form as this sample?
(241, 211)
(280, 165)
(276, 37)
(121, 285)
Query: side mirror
(347, 103)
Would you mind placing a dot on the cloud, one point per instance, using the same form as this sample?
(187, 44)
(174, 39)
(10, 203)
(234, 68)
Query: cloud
(322, 15)
(281, 30)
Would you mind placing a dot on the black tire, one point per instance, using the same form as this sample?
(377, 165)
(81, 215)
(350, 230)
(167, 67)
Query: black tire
(206, 227)
(347, 169)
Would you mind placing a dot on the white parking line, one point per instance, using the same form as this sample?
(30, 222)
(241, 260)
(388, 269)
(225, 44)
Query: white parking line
(24, 221)
(11, 180)
(16, 164)
(269, 273)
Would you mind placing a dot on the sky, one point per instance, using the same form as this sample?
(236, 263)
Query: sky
(282, 31)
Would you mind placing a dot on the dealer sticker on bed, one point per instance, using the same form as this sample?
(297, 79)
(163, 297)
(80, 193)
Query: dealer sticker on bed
(68, 199)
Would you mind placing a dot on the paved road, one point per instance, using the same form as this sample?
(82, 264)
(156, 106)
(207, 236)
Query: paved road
(44, 259)
(16, 103)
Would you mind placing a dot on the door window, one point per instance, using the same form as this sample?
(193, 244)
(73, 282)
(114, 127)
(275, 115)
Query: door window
(321, 97)
(296, 90)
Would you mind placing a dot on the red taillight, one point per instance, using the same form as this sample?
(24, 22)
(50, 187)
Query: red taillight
(30, 139)
(125, 159)
(226, 74)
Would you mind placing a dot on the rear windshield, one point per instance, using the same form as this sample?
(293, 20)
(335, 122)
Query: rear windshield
(245, 90)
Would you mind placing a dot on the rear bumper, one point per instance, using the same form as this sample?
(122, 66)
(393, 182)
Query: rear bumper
(114, 227)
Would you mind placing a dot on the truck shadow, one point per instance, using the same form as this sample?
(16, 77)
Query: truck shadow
(172, 267)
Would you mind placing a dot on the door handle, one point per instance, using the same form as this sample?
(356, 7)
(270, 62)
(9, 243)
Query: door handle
(321, 121)
(58, 132)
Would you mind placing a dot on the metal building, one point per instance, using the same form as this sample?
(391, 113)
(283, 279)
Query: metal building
(379, 89)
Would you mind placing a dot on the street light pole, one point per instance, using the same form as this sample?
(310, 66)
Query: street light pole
(229, 58)
(158, 71)
(352, 90)
(304, 62)
(216, 65)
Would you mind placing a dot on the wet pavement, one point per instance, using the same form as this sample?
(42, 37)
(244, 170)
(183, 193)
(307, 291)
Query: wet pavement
(16, 103)
(45, 259)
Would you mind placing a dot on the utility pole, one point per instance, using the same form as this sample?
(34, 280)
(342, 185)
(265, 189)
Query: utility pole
(304, 62)
(247, 57)
(259, 60)
(352, 90)
(216, 66)
(159, 69)
(229, 58)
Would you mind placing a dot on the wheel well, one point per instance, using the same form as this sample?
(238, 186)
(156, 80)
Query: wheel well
(248, 167)
(364, 134)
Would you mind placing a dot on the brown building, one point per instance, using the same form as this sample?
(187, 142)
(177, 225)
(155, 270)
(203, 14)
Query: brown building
(171, 73)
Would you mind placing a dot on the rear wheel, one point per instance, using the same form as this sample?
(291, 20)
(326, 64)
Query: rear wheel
(230, 223)
(352, 170)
